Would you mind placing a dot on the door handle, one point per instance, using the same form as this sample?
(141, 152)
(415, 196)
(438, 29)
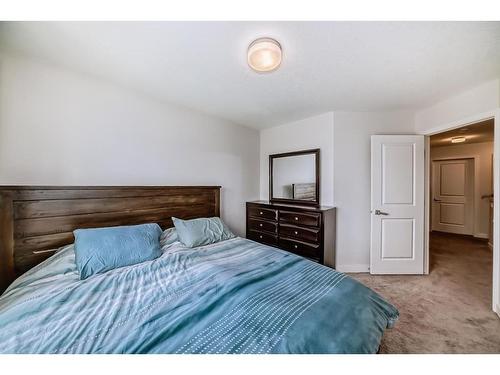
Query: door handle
(437, 200)
(378, 212)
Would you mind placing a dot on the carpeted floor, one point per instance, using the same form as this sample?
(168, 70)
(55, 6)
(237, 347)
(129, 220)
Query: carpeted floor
(448, 311)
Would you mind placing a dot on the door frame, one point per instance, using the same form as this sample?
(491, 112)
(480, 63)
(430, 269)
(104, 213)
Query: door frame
(476, 196)
(495, 115)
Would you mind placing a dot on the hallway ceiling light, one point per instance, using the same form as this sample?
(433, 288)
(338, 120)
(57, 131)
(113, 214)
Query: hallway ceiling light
(458, 139)
(264, 55)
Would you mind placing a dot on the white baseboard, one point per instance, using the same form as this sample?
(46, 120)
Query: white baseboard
(353, 268)
(481, 235)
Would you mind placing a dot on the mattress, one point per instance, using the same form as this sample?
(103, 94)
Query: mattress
(235, 296)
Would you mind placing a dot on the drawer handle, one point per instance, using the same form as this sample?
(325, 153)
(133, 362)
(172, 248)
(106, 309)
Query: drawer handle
(260, 225)
(296, 218)
(295, 246)
(260, 237)
(296, 232)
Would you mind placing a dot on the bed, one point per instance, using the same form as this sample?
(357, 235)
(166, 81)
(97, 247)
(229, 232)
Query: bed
(233, 296)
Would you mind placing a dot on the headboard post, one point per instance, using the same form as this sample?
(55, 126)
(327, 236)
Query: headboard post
(6, 240)
(217, 202)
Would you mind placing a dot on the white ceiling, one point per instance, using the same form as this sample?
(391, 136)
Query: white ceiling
(358, 66)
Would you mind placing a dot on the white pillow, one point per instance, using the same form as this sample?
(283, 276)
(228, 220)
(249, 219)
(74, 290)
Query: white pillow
(168, 237)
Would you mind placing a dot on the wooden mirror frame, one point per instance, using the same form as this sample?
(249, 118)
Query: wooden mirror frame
(316, 153)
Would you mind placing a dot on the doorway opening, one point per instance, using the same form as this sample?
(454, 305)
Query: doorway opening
(461, 200)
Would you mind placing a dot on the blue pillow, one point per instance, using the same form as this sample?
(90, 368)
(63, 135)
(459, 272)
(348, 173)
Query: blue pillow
(99, 250)
(198, 232)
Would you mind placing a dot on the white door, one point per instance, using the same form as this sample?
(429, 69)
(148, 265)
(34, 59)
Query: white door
(453, 196)
(397, 204)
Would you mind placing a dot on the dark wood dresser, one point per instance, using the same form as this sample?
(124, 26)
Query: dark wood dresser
(306, 231)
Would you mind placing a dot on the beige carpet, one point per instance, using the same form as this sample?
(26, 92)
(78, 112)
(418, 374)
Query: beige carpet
(448, 311)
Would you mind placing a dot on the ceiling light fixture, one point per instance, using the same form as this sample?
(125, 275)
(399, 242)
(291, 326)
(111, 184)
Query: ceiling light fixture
(458, 139)
(264, 55)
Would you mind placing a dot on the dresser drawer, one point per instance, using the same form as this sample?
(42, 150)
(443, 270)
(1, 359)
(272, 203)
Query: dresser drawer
(303, 230)
(263, 213)
(300, 248)
(261, 225)
(300, 233)
(265, 238)
(310, 219)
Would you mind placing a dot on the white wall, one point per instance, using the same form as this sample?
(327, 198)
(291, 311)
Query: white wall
(313, 132)
(352, 180)
(62, 128)
(481, 99)
(484, 151)
(344, 139)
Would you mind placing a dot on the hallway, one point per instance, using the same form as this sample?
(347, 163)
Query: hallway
(448, 311)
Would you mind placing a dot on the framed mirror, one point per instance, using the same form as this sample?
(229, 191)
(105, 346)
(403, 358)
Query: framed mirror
(294, 177)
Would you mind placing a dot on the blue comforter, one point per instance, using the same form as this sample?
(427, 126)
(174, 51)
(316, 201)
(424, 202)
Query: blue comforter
(235, 296)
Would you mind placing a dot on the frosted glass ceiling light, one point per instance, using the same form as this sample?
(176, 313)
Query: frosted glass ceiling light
(458, 139)
(264, 55)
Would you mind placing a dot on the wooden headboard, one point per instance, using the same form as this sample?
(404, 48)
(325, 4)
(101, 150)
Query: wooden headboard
(36, 220)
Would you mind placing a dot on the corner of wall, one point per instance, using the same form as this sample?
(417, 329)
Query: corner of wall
(312, 132)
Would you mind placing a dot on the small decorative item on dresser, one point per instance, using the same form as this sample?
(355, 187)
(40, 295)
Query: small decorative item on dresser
(304, 230)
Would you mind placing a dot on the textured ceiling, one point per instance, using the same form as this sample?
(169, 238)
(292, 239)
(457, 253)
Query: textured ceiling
(358, 66)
